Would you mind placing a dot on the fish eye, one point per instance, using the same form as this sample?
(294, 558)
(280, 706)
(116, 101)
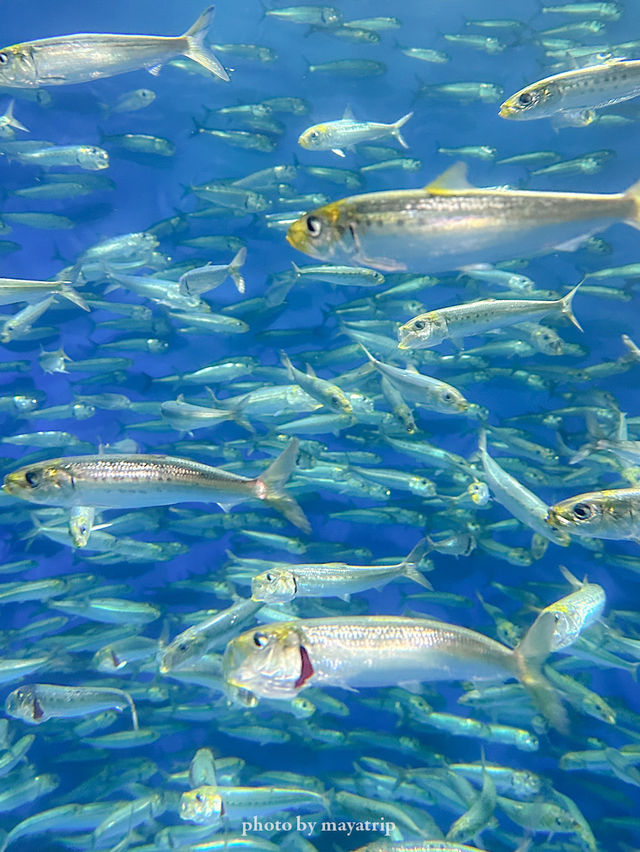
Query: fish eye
(314, 226)
(33, 478)
(3, 58)
(199, 797)
(419, 325)
(526, 99)
(260, 640)
(314, 134)
(583, 511)
(447, 396)
(270, 577)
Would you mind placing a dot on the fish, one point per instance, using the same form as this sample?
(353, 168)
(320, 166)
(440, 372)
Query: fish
(577, 92)
(612, 513)
(37, 702)
(50, 62)
(450, 224)
(459, 321)
(135, 481)
(281, 658)
(284, 583)
(346, 133)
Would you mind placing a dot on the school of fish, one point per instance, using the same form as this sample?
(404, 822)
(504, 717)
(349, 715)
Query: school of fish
(320, 427)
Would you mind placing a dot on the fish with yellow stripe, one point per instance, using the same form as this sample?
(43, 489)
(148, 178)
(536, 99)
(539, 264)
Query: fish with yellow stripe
(450, 224)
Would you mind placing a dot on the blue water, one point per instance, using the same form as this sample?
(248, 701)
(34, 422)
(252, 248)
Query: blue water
(149, 189)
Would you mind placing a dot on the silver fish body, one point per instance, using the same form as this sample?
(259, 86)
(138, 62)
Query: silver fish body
(579, 89)
(137, 480)
(84, 57)
(449, 224)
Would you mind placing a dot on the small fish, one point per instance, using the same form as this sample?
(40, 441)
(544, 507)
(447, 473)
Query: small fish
(426, 54)
(140, 143)
(325, 392)
(132, 101)
(607, 11)
(480, 152)
(350, 68)
(314, 16)
(83, 57)
(336, 136)
(457, 322)
(328, 579)
(434, 394)
(37, 702)
(203, 279)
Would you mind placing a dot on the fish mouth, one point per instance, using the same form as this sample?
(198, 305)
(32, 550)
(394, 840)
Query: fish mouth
(12, 483)
(555, 520)
(296, 236)
(506, 110)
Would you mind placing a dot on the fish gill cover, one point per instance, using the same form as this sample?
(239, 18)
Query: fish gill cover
(320, 435)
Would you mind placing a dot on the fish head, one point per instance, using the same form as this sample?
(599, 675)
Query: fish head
(90, 157)
(336, 399)
(325, 233)
(48, 482)
(316, 138)
(81, 524)
(181, 652)
(567, 625)
(23, 704)
(274, 586)
(423, 331)
(535, 101)
(17, 67)
(594, 705)
(202, 805)
(451, 401)
(270, 662)
(598, 514)
(479, 492)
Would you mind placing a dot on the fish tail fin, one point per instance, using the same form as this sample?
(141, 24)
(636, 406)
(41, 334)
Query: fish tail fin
(286, 363)
(234, 269)
(412, 560)
(73, 296)
(633, 193)
(271, 487)
(396, 128)
(535, 647)
(197, 50)
(567, 309)
(11, 120)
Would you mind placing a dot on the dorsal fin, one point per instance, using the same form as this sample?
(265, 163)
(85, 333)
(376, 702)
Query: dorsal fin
(455, 177)
(348, 112)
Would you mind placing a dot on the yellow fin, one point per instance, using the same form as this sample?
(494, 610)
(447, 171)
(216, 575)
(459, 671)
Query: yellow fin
(455, 178)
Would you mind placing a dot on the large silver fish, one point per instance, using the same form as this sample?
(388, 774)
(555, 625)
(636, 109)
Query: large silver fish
(576, 92)
(277, 660)
(123, 481)
(88, 56)
(450, 224)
